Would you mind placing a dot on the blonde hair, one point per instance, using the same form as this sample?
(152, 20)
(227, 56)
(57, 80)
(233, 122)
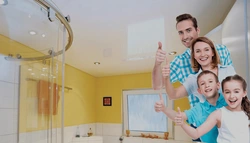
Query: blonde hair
(215, 59)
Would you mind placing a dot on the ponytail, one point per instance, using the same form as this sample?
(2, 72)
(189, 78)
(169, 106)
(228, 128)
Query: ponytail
(245, 106)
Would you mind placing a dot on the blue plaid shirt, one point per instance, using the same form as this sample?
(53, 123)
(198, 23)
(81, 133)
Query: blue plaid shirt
(181, 67)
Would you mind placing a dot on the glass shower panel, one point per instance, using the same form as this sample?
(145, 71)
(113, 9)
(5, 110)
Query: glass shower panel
(28, 30)
(40, 103)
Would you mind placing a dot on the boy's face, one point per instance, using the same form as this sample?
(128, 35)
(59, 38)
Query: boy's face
(187, 32)
(208, 86)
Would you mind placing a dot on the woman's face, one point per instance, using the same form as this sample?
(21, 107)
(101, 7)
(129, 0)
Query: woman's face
(203, 54)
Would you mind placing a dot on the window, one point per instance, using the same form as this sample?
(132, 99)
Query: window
(139, 115)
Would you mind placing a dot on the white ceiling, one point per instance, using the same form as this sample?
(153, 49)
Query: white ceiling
(101, 29)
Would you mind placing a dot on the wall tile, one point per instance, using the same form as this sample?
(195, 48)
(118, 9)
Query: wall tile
(99, 129)
(6, 121)
(8, 138)
(16, 96)
(111, 139)
(7, 95)
(112, 129)
(7, 72)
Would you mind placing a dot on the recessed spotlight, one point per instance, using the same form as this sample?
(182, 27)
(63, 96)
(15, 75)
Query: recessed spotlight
(97, 63)
(32, 33)
(172, 53)
(43, 35)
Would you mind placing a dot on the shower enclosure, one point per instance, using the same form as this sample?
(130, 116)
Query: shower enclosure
(34, 36)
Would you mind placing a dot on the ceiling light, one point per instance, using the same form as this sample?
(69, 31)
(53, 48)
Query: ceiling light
(43, 35)
(97, 63)
(32, 33)
(172, 53)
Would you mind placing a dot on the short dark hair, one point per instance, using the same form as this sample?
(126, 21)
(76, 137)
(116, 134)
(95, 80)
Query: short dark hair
(185, 16)
(205, 72)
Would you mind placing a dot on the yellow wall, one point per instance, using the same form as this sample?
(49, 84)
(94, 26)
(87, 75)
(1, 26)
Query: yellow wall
(8, 46)
(113, 86)
(79, 102)
(84, 104)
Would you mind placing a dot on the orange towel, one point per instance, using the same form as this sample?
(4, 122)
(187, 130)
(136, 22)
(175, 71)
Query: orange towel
(43, 93)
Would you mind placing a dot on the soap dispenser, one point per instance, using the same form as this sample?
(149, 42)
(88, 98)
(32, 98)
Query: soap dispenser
(90, 133)
(77, 132)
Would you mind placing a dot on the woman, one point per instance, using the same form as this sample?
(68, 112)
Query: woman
(203, 57)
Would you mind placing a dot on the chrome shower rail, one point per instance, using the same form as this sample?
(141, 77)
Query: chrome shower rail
(64, 20)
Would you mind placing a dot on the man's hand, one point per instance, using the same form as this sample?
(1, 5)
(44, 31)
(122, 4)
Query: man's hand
(166, 69)
(160, 55)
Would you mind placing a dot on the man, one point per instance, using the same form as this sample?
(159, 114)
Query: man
(180, 67)
(208, 85)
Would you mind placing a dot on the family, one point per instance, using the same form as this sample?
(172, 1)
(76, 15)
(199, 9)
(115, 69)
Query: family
(220, 109)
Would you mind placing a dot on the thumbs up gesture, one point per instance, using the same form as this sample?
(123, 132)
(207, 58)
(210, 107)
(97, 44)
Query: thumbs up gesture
(159, 105)
(179, 118)
(166, 69)
(160, 55)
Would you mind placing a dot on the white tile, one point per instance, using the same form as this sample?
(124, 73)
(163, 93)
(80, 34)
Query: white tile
(92, 127)
(99, 129)
(9, 138)
(16, 95)
(69, 133)
(15, 120)
(6, 121)
(22, 138)
(7, 72)
(84, 128)
(111, 139)
(112, 129)
(7, 95)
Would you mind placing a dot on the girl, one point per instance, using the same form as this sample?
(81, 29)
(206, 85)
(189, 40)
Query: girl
(203, 57)
(232, 120)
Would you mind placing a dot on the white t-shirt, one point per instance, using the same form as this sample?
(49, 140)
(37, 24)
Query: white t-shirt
(234, 127)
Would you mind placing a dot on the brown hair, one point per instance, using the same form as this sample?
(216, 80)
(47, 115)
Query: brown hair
(185, 16)
(215, 59)
(245, 103)
(205, 72)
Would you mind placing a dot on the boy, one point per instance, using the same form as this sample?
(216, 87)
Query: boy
(208, 85)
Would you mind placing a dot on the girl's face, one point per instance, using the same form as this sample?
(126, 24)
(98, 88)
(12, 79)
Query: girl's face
(233, 94)
(203, 54)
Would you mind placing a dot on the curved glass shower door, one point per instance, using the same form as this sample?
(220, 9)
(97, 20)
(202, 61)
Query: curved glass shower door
(33, 41)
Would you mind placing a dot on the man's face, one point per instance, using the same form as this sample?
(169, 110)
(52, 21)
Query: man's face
(187, 32)
(208, 86)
